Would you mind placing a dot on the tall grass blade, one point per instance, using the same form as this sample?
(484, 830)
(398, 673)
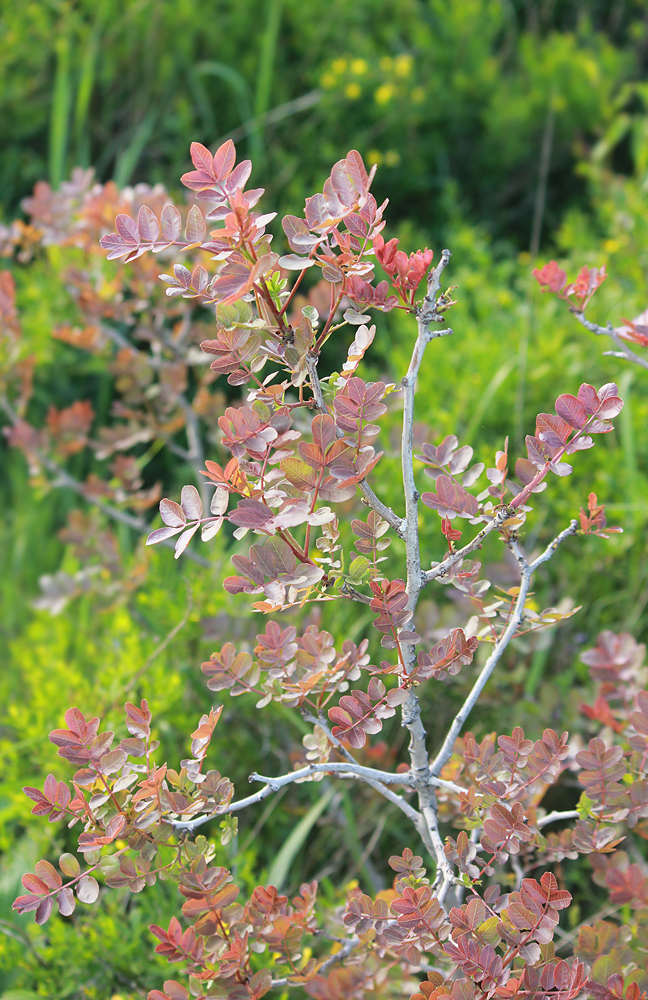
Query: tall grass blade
(280, 867)
(84, 91)
(235, 81)
(265, 72)
(60, 113)
(127, 160)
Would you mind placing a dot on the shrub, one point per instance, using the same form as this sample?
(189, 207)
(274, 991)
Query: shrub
(299, 443)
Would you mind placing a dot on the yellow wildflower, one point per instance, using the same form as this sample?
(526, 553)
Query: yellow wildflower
(384, 93)
(403, 65)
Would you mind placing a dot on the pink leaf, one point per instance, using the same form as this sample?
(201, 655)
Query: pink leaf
(589, 398)
(172, 514)
(196, 229)
(293, 262)
(127, 229)
(160, 534)
(147, 224)
(191, 503)
(571, 410)
(87, 889)
(610, 407)
(184, 540)
(201, 157)
(171, 223)
(224, 160)
(44, 910)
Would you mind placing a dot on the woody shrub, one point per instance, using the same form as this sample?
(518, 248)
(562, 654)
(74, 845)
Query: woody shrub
(477, 912)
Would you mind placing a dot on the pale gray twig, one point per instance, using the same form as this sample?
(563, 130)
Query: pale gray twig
(303, 773)
(556, 817)
(343, 953)
(623, 352)
(553, 545)
(526, 570)
(440, 569)
(378, 786)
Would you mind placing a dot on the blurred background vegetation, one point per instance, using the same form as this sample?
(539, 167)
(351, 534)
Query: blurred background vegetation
(507, 130)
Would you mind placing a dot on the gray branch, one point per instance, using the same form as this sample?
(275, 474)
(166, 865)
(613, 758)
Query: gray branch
(623, 351)
(385, 512)
(527, 570)
(440, 569)
(354, 595)
(378, 786)
(552, 546)
(271, 785)
(555, 817)
(343, 953)
(428, 828)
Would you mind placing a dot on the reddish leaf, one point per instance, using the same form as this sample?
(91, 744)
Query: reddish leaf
(571, 410)
(172, 514)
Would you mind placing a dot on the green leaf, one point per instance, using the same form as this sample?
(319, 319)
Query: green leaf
(584, 806)
(359, 568)
(69, 865)
(604, 967)
(229, 827)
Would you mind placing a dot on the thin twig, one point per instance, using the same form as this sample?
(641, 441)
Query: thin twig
(609, 331)
(396, 522)
(527, 570)
(397, 800)
(343, 953)
(354, 595)
(556, 817)
(440, 569)
(552, 546)
(368, 774)
(274, 784)
(445, 752)
(378, 786)
(428, 827)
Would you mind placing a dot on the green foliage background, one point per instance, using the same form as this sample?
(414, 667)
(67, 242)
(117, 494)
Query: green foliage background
(453, 99)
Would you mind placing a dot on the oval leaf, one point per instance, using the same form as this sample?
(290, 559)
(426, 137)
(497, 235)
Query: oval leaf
(172, 514)
(87, 889)
(191, 503)
(69, 865)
